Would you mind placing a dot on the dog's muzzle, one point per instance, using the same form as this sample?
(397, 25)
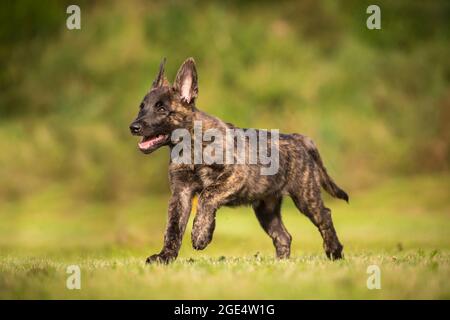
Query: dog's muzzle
(135, 128)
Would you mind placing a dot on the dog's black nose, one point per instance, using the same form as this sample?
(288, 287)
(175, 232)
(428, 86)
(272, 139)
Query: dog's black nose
(135, 127)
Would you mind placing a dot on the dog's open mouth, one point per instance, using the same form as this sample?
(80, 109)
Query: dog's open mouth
(149, 143)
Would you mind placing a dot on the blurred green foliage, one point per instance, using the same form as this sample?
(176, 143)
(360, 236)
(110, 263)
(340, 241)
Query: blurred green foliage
(376, 102)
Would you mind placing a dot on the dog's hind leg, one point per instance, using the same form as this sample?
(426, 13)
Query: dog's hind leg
(269, 216)
(308, 200)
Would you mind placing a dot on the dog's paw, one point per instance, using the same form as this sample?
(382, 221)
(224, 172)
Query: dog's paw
(283, 253)
(334, 252)
(161, 258)
(199, 242)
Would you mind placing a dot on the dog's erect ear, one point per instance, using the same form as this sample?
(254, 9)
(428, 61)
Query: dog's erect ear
(160, 78)
(186, 81)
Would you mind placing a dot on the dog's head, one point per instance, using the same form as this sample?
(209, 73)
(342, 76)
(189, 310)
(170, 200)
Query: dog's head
(166, 107)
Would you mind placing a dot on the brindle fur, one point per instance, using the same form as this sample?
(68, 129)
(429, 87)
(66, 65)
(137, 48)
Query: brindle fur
(301, 175)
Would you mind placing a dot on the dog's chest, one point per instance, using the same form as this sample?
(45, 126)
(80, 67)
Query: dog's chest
(207, 175)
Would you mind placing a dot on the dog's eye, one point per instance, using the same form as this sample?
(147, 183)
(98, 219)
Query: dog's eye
(160, 106)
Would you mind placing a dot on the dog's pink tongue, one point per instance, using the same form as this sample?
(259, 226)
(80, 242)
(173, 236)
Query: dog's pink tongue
(150, 142)
(145, 144)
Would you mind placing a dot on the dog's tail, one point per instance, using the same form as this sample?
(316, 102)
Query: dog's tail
(325, 180)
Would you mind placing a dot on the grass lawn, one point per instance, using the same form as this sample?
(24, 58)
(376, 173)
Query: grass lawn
(401, 226)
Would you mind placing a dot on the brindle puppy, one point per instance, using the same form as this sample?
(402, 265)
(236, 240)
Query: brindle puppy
(301, 174)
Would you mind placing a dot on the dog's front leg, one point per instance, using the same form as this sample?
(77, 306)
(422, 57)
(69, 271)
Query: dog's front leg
(209, 201)
(204, 224)
(178, 216)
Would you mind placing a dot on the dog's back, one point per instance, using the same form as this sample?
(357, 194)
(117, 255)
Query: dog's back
(299, 165)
